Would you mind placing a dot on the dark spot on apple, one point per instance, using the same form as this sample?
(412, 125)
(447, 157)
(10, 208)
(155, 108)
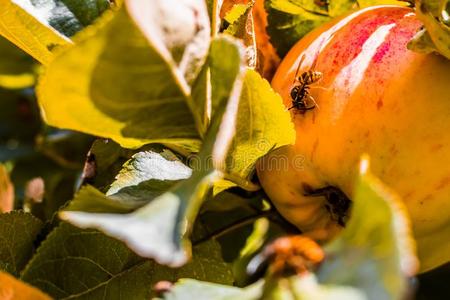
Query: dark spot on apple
(436, 147)
(307, 188)
(393, 150)
(443, 183)
(379, 104)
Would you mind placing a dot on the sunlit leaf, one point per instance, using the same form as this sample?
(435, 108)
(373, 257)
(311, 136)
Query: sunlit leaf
(86, 264)
(145, 176)
(149, 165)
(306, 287)
(66, 16)
(27, 32)
(263, 124)
(11, 288)
(18, 231)
(187, 289)
(376, 249)
(137, 98)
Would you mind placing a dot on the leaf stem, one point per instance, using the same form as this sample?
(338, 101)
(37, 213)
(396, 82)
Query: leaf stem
(234, 226)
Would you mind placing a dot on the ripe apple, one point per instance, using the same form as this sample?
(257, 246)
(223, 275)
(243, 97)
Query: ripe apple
(375, 97)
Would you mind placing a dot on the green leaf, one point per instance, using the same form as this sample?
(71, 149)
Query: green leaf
(145, 176)
(11, 288)
(28, 33)
(289, 21)
(376, 249)
(104, 160)
(187, 289)
(18, 231)
(137, 98)
(263, 124)
(236, 12)
(422, 42)
(85, 264)
(150, 165)
(16, 67)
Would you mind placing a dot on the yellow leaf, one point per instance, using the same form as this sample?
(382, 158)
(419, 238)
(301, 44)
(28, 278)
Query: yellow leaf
(28, 33)
(121, 81)
(13, 289)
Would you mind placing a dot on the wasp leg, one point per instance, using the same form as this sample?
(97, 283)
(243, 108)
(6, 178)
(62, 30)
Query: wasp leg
(314, 101)
(320, 87)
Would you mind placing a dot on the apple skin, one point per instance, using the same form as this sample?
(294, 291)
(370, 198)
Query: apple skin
(376, 97)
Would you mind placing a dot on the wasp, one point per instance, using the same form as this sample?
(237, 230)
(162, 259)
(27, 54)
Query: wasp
(300, 93)
(287, 255)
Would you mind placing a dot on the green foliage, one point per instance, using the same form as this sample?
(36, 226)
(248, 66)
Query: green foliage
(18, 232)
(114, 95)
(371, 259)
(26, 29)
(86, 264)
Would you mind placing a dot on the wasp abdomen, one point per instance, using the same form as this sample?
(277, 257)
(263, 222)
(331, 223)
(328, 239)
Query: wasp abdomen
(309, 77)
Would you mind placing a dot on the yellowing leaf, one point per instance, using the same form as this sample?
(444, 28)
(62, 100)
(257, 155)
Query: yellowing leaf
(85, 264)
(124, 84)
(11, 288)
(262, 125)
(28, 33)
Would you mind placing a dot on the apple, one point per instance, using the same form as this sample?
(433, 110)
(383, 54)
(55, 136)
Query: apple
(375, 97)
